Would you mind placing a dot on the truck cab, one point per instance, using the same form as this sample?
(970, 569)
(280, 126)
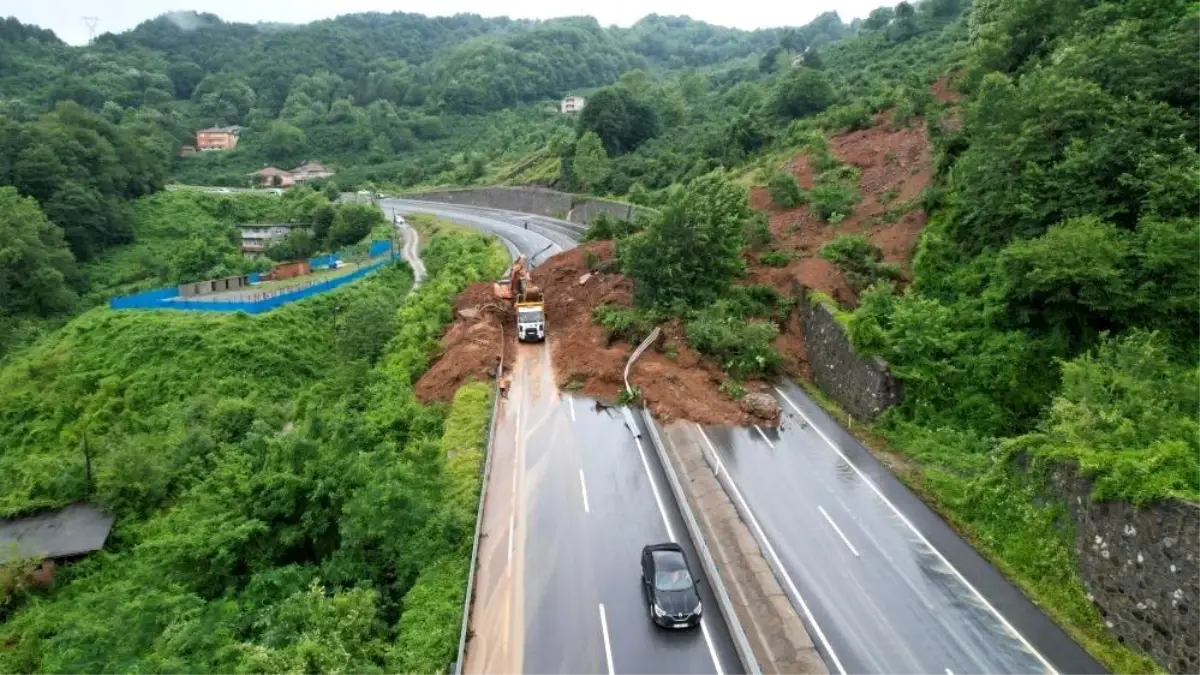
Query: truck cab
(531, 321)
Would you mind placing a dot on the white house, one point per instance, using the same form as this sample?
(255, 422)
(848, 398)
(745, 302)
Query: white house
(258, 238)
(571, 104)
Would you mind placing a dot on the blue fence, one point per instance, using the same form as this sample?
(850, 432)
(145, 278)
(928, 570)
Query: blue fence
(323, 261)
(146, 299)
(257, 303)
(379, 247)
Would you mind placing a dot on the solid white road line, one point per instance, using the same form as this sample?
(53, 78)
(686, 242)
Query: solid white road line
(583, 487)
(571, 402)
(512, 527)
(662, 511)
(607, 646)
(812, 621)
(906, 521)
(838, 530)
(764, 436)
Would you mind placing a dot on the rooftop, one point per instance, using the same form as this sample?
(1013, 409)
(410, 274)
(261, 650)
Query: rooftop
(79, 528)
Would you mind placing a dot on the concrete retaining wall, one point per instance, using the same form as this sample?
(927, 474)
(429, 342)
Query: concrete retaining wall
(535, 200)
(862, 385)
(1139, 566)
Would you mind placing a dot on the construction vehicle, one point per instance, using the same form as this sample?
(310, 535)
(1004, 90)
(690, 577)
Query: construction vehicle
(527, 300)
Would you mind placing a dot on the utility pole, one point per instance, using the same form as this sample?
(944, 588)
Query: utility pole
(87, 460)
(91, 22)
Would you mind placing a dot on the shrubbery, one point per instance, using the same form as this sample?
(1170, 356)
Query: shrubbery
(278, 500)
(783, 189)
(624, 323)
(859, 261)
(742, 347)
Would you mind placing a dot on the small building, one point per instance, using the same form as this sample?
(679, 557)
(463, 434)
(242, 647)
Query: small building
(187, 150)
(288, 270)
(256, 239)
(218, 138)
(571, 104)
(211, 286)
(273, 177)
(310, 171)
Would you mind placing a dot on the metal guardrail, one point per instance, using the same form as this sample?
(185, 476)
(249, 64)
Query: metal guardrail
(638, 352)
(741, 643)
(457, 667)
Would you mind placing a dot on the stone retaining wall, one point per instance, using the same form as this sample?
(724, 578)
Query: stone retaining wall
(862, 385)
(1139, 566)
(535, 200)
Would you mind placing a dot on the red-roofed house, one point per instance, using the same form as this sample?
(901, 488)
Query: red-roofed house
(272, 177)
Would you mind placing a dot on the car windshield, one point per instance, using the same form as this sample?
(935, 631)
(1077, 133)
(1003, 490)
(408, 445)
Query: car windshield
(670, 572)
(529, 316)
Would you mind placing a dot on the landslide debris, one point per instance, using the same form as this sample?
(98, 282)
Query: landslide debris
(470, 347)
(675, 382)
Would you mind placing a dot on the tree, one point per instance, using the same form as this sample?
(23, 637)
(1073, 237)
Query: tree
(812, 59)
(879, 18)
(622, 120)
(34, 261)
(793, 40)
(591, 164)
(285, 143)
(352, 223)
(299, 243)
(322, 220)
(802, 92)
(770, 60)
(691, 254)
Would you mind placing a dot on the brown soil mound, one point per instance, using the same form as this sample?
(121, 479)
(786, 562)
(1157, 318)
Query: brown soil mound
(674, 381)
(469, 348)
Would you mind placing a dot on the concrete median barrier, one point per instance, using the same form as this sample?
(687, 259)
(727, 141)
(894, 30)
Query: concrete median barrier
(772, 632)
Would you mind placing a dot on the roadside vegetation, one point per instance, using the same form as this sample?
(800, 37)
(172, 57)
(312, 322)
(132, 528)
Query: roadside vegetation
(175, 237)
(282, 500)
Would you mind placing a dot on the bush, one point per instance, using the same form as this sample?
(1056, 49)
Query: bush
(848, 118)
(784, 190)
(606, 227)
(776, 258)
(742, 347)
(352, 223)
(859, 261)
(756, 231)
(623, 323)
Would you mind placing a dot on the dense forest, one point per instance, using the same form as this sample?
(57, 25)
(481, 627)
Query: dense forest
(283, 502)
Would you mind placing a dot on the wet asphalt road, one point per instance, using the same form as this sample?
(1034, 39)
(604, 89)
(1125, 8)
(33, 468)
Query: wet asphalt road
(572, 498)
(543, 238)
(884, 584)
(892, 588)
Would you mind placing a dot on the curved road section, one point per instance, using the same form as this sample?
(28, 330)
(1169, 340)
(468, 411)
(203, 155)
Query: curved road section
(572, 498)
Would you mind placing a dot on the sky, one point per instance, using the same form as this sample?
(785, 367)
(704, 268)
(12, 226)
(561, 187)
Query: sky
(66, 17)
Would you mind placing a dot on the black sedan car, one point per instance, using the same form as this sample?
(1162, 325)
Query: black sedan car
(669, 586)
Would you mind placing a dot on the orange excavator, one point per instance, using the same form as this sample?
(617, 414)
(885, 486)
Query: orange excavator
(527, 300)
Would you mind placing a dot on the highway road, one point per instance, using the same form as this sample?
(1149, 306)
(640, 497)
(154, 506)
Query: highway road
(883, 583)
(891, 587)
(572, 497)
